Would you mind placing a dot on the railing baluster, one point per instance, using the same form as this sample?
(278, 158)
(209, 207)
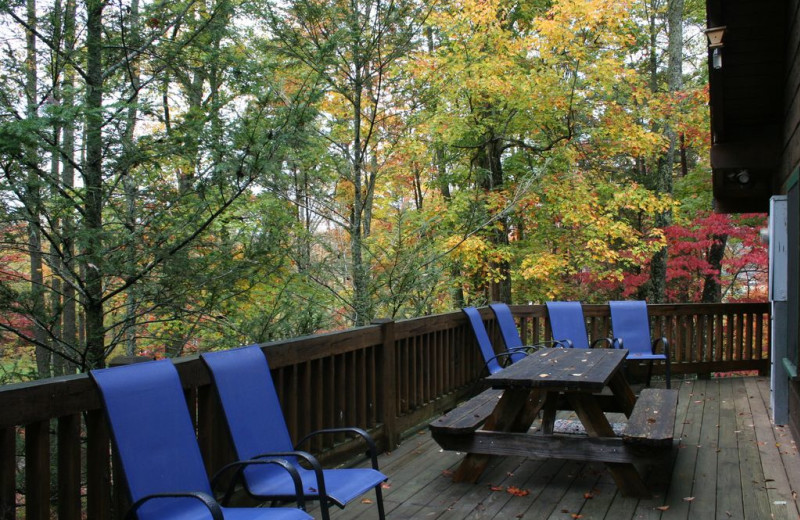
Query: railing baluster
(8, 470)
(98, 481)
(37, 470)
(69, 467)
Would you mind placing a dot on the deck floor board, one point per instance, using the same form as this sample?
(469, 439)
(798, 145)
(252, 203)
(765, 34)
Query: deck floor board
(729, 462)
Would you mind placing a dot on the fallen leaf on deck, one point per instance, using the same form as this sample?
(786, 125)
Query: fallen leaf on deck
(517, 492)
(496, 488)
(663, 508)
(576, 515)
(588, 495)
(447, 473)
(688, 499)
(366, 501)
(386, 485)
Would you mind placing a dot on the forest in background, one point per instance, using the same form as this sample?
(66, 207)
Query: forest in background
(199, 174)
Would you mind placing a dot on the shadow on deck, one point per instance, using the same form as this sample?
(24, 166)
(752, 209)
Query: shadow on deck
(730, 462)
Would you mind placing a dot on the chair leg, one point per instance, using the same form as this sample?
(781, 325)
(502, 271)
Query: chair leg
(669, 374)
(649, 374)
(323, 508)
(379, 499)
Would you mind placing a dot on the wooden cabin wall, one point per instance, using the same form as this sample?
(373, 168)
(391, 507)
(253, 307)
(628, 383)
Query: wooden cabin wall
(790, 185)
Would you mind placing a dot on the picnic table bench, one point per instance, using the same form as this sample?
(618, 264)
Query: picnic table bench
(497, 421)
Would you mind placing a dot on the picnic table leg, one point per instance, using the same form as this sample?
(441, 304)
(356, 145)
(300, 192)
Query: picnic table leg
(626, 476)
(549, 412)
(515, 412)
(622, 392)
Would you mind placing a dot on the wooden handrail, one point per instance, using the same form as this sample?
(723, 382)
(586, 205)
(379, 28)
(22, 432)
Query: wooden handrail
(388, 377)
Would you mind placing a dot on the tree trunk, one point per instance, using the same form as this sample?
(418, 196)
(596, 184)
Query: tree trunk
(359, 271)
(664, 171)
(490, 162)
(93, 180)
(129, 185)
(33, 204)
(712, 289)
(69, 308)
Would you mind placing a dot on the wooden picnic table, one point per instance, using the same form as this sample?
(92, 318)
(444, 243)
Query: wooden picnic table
(555, 379)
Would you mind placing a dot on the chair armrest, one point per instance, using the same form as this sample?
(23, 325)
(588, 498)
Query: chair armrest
(207, 500)
(563, 343)
(506, 356)
(616, 343)
(664, 343)
(371, 447)
(307, 457)
(608, 341)
(240, 465)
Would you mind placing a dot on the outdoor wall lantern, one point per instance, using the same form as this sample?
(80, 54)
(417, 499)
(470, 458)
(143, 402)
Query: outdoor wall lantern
(714, 35)
(739, 177)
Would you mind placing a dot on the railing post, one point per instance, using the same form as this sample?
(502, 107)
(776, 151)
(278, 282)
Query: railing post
(387, 383)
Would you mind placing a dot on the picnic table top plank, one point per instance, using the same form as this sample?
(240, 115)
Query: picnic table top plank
(561, 369)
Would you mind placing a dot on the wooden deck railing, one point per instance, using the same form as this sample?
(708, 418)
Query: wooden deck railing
(388, 378)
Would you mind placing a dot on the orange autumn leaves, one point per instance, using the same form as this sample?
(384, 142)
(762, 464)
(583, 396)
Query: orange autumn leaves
(511, 490)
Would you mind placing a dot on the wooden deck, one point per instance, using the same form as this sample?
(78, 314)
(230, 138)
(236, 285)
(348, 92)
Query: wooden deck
(730, 462)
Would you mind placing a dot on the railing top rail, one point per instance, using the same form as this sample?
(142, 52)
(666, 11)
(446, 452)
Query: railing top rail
(25, 403)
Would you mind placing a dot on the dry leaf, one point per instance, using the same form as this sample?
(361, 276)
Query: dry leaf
(496, 488)
(366, 501)
(517, 492)
(588, 495)
(386, 485)
(663, 508)
(576, 515)
(688, 499)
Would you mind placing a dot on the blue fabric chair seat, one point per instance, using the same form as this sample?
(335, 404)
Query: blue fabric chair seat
(631, 325)
(568, 325)
(493, 361)
(257, 427)
(157, 448)
(341, 487)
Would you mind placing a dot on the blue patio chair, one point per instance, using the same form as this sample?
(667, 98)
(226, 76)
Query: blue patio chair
(631, 326)
(158, 453)
(494, 362)
(510, 333)
(258, 429)
(568, 325)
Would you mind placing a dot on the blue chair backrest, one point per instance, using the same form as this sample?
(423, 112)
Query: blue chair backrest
(630, 323)
(567, 322)
(250, 403)
(482, 338)
(154, 436)
(508, 329)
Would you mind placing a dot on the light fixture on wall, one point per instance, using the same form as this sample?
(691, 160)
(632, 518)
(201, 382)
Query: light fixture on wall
(714, 35)
(740, 177)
